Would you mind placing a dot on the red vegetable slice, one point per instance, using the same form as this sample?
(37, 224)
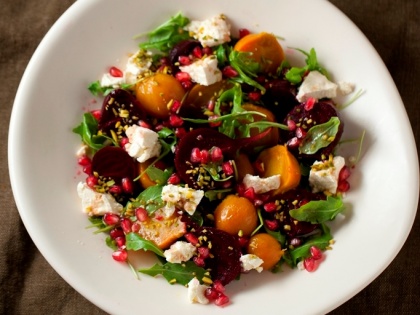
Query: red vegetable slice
(114, 162)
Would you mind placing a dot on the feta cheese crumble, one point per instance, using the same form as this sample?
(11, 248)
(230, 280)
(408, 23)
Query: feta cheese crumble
(251, 261)
(108, 80)
(94, 203)
(204, 71)
(196, 292)
(211, 32)
(316, 85)
(143, 143)
(324, 174)
(137, 64)
(179, 252)
(181, 197)
(261, 185)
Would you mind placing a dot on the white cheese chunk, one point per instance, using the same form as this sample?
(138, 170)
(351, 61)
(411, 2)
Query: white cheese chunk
(345, 88)
(261, 185)
(94, 203)
(211, 32)
(143, 143)
(137, 64)
(204, 71)
(179, 252)
(251, 261)
(108, 80)
(196, 292)
(324, 175)
(181, 197)
(316, 85)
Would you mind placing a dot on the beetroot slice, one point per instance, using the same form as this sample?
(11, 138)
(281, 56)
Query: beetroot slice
(114, 162)
(116, 101)
(225, 266)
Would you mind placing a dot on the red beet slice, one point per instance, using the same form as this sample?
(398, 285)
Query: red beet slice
(114, 162)
(114, 109)
(225, 266)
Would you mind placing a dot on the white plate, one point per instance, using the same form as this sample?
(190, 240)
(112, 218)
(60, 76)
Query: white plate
(95, 34)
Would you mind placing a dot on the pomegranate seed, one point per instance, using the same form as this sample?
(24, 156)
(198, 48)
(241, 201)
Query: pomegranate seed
(96, 114)
(184, 60)
(293, 143)
(127, 185)
(316, 253)
(195, 155)
(215, 123)
(180, 132)
(240, 189)
(216, 154)
(300, 133)
(309, 104)
(222, 300)
(243, 32)
(218, 286)
(197, 52)
(291, 124)
(204, 252)
(343, 186)
(199, 261)
(141, 214)
(227, 168)
(229, 72)
(270, 207)
(115, 189)
(120, 255)
(249, 193)
(211, 294)
(254, 96)
(191, 238)
(175, 121)
(309, 264)
(243, 241)
(110, 218)
(144, 124)
(211, 104)
(135, 227)
(204, 156)
(176, 105)
(227, 184)
(126, 225)
(207, 51)
(123, 142)
(258, 202)
(115, 72)
(182, 76)
(174, 179)
(84, 160)
(114, 233)
(344, 173)
(272, 225)
(87, 169)
(91, 181)
(259, 166)
(187, 84)
(120, 241)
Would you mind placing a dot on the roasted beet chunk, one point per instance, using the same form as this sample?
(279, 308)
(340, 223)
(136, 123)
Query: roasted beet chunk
(224, 263)
(305, 116)
(184, 48)
(119, 106)
(114, 163)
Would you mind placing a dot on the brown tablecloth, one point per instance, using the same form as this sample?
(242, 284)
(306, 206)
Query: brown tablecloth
(28, 285)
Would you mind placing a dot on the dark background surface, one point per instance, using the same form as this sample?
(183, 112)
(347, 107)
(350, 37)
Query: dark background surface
(28, 285)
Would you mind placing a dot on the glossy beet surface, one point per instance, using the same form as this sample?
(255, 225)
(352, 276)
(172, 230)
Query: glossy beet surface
(114, 162)
(183, 48)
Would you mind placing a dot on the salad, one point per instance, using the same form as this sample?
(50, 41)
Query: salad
(216, 154)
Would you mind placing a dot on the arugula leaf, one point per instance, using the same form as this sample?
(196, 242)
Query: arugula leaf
(176, 273)
(246, 68)
(111, 243)
(157, 175)
(88, 129)
(295, 74)
(321, 241)
(318, 211)
(216, 194)
(167, 35)
(150, 199)
(320, 136)
(135, 242)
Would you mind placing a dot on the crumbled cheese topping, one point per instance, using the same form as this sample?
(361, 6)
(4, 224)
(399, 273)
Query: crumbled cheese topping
(251, 261)
(323, 176)
(196, 292)
(211, 32)
(137, 65)
(261, 185)
(179, 252)
(94, 203)
(143, 143)
(204, 71)
(180, 197)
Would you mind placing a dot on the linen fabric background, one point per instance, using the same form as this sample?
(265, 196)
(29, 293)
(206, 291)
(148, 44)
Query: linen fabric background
(28, 285)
